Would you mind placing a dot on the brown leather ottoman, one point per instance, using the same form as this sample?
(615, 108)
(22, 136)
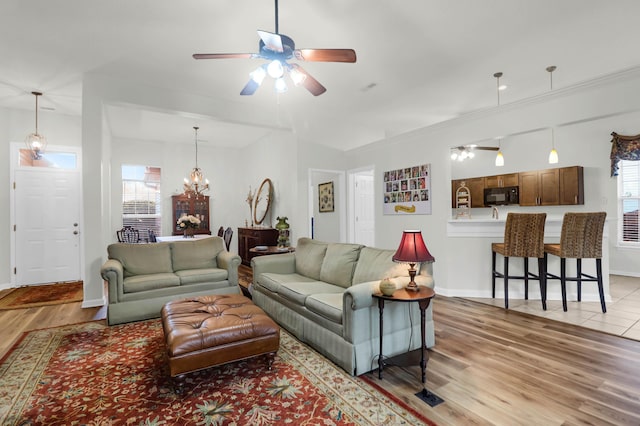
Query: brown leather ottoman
(204, 331)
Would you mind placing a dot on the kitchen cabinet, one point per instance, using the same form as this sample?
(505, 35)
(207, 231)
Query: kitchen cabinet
(248, 238)
(539, 188)
(184, 205)
(475, 187)
(501, 181)
(571, 185)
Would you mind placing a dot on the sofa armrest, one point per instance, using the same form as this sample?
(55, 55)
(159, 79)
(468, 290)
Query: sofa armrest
(113, 272)
(229, 261)
(276, 263)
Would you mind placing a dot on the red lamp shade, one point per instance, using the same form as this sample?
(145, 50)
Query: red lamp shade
(412, 249)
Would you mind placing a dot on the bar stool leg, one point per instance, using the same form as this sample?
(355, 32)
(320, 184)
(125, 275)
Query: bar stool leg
(506, 282)
(563, 282)
(600, 285)
(526, 278)
(542, 274)
(493, 274)
(579, 278)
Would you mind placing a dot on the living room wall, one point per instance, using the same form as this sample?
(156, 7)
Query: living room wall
(584, 116)
(60, 129)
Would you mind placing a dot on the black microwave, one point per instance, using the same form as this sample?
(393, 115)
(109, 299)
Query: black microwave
(501, 196)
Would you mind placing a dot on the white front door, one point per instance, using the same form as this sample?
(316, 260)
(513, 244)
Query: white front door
(47, 226)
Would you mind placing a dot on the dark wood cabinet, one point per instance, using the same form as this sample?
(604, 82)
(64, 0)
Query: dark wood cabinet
(476, 189)
(248, 238)
(540, 188)
(571, 185)
(501, 181)
(184, 205)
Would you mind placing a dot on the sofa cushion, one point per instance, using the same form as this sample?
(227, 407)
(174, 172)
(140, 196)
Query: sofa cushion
(196, 254)
(309, 255)
(272, 282)
(299, 291)
(375, 264)
(204, 275)
(138, 283)
(339, 263)
(142, 259)
(328, 306)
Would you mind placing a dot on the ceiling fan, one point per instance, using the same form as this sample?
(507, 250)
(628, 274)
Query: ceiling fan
(278, 49)
(463, 152)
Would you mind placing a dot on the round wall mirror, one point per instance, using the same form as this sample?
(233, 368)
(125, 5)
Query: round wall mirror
(263, 201)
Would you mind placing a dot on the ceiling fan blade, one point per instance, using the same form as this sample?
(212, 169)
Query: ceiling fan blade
(487, 148)
(310, 83)
(250, 87)
(272, 41)
(325, 55)
(224, 55)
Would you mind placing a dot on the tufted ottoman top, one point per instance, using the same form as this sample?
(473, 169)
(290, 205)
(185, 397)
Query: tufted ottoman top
(198, 323)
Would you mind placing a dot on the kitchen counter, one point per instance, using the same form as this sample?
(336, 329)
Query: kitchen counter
(485, 226)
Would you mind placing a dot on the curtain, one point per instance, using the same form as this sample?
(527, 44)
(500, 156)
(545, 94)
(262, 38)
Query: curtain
(623, 148)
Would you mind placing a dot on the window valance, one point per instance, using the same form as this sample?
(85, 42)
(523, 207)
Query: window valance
(623, 148)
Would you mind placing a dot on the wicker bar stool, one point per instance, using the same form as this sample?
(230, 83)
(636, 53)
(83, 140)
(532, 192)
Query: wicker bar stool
(523, 237)
(581, 238)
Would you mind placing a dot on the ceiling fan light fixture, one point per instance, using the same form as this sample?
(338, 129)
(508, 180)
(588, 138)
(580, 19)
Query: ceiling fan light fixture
(275, 69)
(258, 75)
(280, 85)
(296, 76)
(35, 142)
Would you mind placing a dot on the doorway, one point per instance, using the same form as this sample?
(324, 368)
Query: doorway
(45, 213)
(327, 226)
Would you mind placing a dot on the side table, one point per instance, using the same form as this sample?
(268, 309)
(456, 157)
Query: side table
(423, 297)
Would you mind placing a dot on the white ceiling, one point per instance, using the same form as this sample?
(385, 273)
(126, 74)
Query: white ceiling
(419, 62)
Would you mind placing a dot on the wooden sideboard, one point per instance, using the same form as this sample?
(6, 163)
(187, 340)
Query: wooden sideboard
(248, 238)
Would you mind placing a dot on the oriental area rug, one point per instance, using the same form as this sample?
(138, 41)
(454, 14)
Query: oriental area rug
(92, 374)
(42, 295)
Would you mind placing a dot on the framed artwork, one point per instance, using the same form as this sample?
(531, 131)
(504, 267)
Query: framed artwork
(407, 190)
(325, 197)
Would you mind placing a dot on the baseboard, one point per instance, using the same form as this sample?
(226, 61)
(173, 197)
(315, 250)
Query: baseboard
(93, 303)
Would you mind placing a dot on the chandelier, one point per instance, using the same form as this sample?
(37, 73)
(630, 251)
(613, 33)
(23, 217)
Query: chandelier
(196, 184)
(36, 143)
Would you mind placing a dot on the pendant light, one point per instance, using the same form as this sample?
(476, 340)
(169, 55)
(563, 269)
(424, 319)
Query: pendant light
(499, 156)
(196, 184)
(36, 143)
(553, 155)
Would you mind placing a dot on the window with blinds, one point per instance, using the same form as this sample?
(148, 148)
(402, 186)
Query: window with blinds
(629, 202)
(141, 201)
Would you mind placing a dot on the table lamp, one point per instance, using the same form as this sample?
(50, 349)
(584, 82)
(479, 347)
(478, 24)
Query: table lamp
(412, 250)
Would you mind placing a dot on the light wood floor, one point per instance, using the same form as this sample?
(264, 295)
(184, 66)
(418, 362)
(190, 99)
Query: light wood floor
(491, 366)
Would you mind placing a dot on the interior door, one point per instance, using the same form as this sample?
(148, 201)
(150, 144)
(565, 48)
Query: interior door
(364, 209)
(47, 218)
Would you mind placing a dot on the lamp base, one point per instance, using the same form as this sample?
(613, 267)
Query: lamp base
(412, 286)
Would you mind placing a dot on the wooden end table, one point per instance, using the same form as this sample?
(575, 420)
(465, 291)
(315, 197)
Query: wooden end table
(423, 297)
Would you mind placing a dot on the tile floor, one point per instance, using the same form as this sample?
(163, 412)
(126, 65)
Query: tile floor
(623, 311)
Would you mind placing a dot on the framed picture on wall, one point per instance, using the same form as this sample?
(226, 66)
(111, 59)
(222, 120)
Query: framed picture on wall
(407, 190)
(325, 197)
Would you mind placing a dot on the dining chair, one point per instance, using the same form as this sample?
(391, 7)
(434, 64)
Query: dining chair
(580, 238)
(152, 236)
(128, 234)
(228, 233)
(523, 237)
(221, 231)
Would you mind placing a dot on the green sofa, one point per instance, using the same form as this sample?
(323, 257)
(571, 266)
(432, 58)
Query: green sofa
(322, 294)
(143, 277)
